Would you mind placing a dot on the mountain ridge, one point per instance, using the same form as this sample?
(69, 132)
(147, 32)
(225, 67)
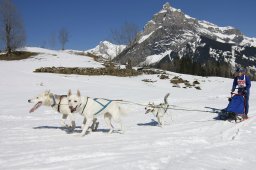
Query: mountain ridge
(172, 33)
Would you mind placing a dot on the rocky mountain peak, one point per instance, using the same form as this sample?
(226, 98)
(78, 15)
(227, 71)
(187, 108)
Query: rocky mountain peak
(174, 20)
(172, 35)
(166, 6)
(169, 17)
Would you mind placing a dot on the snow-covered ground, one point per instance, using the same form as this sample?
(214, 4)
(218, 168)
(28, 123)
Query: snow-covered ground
(191, 138)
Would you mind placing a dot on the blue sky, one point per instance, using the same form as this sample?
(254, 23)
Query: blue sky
(91, 21)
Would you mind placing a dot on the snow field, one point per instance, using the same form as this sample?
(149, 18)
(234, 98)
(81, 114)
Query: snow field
(191, 138)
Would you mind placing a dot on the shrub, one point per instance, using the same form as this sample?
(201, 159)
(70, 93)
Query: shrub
(17, 55)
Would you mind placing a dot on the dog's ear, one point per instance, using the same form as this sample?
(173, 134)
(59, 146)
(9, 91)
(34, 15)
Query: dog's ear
(47, 92)
(78, 93)
(69, 92)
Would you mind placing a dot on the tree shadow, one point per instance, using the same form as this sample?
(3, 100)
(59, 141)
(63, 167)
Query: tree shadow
(152, 123)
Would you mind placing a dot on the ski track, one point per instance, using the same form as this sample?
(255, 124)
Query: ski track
(189, 140)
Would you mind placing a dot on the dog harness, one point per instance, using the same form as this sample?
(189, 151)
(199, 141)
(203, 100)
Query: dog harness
(54, 101)
(61, 97)
(85, 105)
(103, 106)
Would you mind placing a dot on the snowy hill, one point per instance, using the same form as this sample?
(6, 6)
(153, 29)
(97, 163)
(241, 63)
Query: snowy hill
(48, 57)
(191, 138)
(106, 50)
(172, 35)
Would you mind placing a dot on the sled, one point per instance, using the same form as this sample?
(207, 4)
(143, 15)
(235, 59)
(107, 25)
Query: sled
(235, 109)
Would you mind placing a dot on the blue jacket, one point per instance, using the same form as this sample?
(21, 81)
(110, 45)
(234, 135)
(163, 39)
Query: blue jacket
(247, 81)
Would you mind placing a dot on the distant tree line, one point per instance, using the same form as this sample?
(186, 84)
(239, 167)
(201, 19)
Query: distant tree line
(186, 65)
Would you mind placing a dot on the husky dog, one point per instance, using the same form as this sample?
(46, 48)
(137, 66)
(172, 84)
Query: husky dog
(60, 104)
(92, 107)
(158, 110)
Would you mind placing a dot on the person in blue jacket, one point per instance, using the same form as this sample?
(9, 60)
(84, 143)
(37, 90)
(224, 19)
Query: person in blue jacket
(243, 82)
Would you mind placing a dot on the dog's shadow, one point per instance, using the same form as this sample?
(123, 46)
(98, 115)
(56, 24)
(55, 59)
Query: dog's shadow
(66, 129)
(98, 130)
(152, 123)
(70, 130)
(51, 127)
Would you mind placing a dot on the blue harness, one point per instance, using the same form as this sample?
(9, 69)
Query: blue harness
(103, 106)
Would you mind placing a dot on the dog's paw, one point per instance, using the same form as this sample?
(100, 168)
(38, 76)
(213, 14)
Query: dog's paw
(63, 124)
(121, 131)
(110, 131)
(69, 126)
(84, 133)
(160, 125)
(71, 129)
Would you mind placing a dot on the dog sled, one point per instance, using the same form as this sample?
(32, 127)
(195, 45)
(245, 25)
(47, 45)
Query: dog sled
(235, 111)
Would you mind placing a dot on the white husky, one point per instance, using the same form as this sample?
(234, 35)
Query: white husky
(58, 102)
(158, 110)
(92, 107)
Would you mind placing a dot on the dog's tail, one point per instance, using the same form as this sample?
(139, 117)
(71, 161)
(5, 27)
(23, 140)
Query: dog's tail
(165, 98)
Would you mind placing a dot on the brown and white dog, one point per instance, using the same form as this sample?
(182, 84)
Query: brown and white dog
(158, 110)
(58, 103)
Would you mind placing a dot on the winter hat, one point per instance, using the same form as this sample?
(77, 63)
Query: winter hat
(240, 69)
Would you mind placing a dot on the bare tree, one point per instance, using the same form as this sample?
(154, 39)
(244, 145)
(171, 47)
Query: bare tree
(52, 40)
(126, 34)
(63, 37)
(1, 42)
(11, 26)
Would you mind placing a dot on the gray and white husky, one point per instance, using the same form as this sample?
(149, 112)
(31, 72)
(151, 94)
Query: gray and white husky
(60, 104)
(90, 108)
(158, 110)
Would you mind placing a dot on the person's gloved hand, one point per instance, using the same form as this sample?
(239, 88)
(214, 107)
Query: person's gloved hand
(245, 92)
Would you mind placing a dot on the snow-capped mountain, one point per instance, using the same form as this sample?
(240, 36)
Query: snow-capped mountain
(171, 34)
(106, 50)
